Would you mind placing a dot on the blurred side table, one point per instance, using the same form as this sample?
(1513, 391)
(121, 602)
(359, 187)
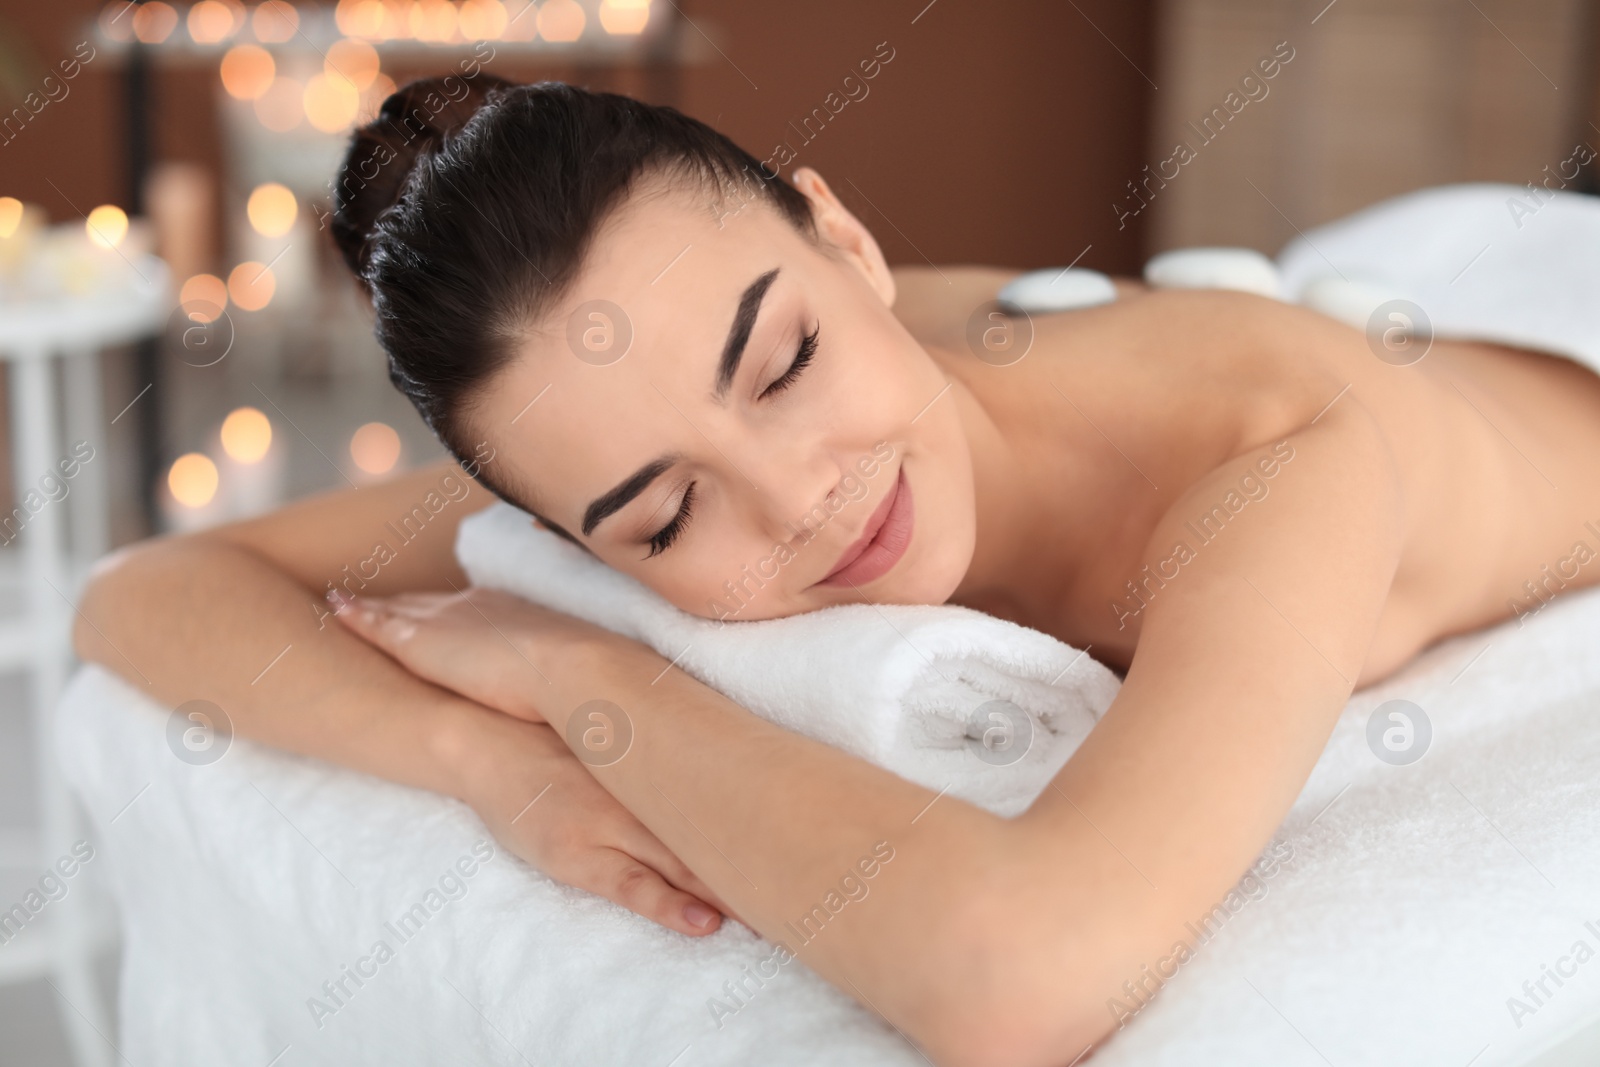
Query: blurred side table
(42, 570)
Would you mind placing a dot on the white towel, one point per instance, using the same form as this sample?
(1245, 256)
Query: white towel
(1482, 261)
(909, 687)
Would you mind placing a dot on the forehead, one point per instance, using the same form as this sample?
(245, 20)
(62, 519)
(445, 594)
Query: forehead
(621, 368)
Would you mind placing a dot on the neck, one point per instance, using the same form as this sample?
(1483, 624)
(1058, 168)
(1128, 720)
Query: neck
(1005, 509)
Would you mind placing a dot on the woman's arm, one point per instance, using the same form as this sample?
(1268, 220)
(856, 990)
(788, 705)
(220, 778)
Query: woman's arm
(1001, 942)
(237, 616)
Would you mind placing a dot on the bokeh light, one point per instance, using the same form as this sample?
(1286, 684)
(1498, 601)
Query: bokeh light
(210, 22)
(247, 71)
(10, 215)
(203, 298)
(624, 17)
(561, 20)
(275, 22)
(272, 209)
(381, 89)
(106, 226)
(523, 21)
(354, 61)
(246, 435)
(193, 480)
(483, 20)
(280, 108)
(433, 20)
(251, 285)
(331, 103)
(154, 22)
(116, 21)
(361, 18)
(375, 448)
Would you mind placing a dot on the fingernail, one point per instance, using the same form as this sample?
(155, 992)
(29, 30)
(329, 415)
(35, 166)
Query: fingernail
(699, 915)
(337, 599)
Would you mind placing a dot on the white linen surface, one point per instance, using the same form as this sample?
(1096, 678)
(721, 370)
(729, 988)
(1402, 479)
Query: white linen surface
(1483, 261)
(1408, 913)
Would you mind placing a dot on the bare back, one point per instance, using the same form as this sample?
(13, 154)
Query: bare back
(1126, 405)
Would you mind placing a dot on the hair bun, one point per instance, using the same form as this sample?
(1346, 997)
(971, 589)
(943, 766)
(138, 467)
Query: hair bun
(414, 121)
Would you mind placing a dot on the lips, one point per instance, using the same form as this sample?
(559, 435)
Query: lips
(884, 540)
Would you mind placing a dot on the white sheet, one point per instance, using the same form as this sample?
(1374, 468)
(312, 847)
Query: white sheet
(1411, 909)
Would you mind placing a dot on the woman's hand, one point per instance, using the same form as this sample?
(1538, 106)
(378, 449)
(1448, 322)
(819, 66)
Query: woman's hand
(489, 646)
(530, 790)
(542, 803)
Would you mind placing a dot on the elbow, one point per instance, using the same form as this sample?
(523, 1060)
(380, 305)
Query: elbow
(1018, 990)
(109, 595)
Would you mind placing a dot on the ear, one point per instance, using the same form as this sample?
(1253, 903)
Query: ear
(844, 231)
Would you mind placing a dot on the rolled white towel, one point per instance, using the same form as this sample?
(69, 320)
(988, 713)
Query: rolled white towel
(916, 689)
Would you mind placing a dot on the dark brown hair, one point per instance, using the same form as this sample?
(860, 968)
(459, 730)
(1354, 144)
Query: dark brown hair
(466, 207)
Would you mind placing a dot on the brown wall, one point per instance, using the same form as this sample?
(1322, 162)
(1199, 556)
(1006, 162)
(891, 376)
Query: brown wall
(1382, 97)
(998, 133)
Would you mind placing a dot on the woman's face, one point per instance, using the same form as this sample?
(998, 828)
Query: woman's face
(733, 415)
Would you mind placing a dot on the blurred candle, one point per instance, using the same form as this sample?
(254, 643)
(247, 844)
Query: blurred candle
(210, 22)
(179, 198)
(106, 226)
(275, 22)
(624, 17)
(375, 449)
(561, 20)
(248, 71)
(190, 500)
(272, 209)
(252, 466)
(10, 215)
(251, 285)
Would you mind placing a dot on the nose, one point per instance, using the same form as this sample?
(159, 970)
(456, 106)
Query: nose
(795, 492)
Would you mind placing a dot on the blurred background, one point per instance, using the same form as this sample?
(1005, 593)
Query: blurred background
(181, 345)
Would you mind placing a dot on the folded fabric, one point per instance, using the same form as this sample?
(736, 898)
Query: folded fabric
(1513, 264)
(943, 696)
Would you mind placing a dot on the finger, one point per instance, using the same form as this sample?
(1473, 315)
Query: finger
(648, 849)
(373, 622)
(622, 879)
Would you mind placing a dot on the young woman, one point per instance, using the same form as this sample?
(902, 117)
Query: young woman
(606, 318)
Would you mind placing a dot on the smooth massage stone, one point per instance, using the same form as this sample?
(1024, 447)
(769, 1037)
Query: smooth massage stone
(1055, 289)
(1243, 269)
(1350, 301)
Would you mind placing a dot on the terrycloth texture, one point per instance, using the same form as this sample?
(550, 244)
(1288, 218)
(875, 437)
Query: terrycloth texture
(1409, 910)
(1483, 262)
(902, 686)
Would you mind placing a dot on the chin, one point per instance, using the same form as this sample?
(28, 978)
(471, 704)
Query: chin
(935, 577)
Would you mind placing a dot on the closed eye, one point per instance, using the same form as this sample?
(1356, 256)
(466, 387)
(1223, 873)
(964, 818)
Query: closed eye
(802, 359)
(663, 538)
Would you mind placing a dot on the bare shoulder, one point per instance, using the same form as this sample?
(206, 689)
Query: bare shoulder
(934, 303)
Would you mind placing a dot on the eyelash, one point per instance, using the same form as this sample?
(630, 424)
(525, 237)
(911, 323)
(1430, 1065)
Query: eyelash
(663, 538)
(669, 533)
(802, 360)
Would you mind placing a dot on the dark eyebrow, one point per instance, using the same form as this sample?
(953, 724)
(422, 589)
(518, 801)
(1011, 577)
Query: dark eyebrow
(744, 321)
(617, 498)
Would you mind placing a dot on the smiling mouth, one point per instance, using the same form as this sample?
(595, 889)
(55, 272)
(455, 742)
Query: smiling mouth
(884, 540)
